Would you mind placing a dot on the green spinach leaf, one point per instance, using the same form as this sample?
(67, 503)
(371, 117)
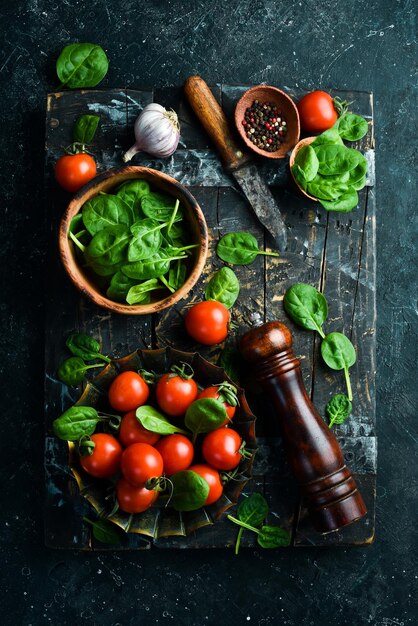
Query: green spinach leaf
(273, 537)
(239, 248)
(307, 160)
(72, 371)
(306, 306)
(177, 275)
(76, 422)
(253, 511)
(190, 491)
(346, 202)
(85, 129)
(339, 354)
(334, 159)
(132, 192)
(326, 190)
(156, 422)
(205, 415)
(85, 347)
(159, 206)
(299, 176)
(230, 360)
(146, 239)
(330, 136)
(223, 287)
(104, 531)
(138, 293)
(352, 127)
(154, 267)
(338, 409)
(119, 287)
(82, 65)
(105, 210)
(109, 246)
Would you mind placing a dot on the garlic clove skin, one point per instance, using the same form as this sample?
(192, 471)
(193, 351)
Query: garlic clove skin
(157, 132)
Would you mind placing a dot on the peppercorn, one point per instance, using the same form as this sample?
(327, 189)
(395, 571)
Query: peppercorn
(265, 125)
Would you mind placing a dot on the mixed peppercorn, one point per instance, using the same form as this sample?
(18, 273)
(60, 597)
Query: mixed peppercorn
(265, 125)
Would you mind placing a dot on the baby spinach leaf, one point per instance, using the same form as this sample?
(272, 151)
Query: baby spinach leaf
(335, 159)
(358, 174)
(82, 65)
(273, 537)
(344, 203)
(157, 265)
(252, 510)
(137, 294)
(72, 371)
(339, 354)
(189, 491)
(106, 210)
(76, 422)
(326, 190)
(306, 306)
(85, 129)
(299, 176)
(307, 160)
(119, 287)
(104, 531)
(76, 224)
(159, 206)
(239, 248)
(146, 239)
(85, 347)
(352, 127)
(177, 236)
(330, 136)
(108, 246)
(156, 422)
(338, 409)
(205, 415)
(132, 192)
(223, 287)
(177, 275)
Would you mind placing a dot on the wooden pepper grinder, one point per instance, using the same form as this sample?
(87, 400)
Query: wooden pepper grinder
(315, 456)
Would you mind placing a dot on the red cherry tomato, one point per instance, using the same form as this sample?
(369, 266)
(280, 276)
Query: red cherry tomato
(177, 452)
(131, 431)
(72, 171)
(128, 391)
(140, 462)
(220, 448)
(106, 456)
(175, 394)
(134, 499)
(317, 112)
(216, 393)
(207, 322)
(213, 479)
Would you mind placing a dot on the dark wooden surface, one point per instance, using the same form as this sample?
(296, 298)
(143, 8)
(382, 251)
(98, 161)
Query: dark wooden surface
(362, 45)
(335, 252)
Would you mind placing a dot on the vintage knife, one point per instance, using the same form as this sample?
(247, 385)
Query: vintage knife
(236, 161)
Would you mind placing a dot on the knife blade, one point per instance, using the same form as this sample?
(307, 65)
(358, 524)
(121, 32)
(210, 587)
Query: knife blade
(236, 161)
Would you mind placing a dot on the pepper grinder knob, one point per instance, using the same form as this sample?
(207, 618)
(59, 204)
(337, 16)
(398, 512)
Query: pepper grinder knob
(314, 454)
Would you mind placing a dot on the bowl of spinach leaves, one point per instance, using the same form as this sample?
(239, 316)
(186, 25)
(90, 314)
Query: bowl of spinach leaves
(134, 240)
(326, 170)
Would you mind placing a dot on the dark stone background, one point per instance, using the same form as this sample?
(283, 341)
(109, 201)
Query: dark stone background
(365, 45)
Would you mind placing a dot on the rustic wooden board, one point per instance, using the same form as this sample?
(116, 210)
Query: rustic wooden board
(335, 252)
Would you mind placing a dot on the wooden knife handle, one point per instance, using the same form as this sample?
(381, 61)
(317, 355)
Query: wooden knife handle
(214, 121)
(329, 489)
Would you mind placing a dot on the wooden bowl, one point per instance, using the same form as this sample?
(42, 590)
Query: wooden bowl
(106, 182)
(160, 521)
(301, 144)
(265, 93)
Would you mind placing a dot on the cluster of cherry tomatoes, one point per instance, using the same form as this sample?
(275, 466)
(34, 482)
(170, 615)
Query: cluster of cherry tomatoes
(142, 457)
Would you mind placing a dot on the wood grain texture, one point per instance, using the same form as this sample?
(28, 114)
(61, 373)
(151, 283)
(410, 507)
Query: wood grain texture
(333, 252)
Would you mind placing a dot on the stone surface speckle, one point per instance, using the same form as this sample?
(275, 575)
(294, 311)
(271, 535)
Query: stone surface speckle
(354, 45)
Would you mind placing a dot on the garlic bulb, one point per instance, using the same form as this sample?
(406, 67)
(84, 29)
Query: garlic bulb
(157, 132)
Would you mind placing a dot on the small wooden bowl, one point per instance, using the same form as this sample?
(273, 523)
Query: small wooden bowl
(301, 144)
(106, 182)
(265, 93)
